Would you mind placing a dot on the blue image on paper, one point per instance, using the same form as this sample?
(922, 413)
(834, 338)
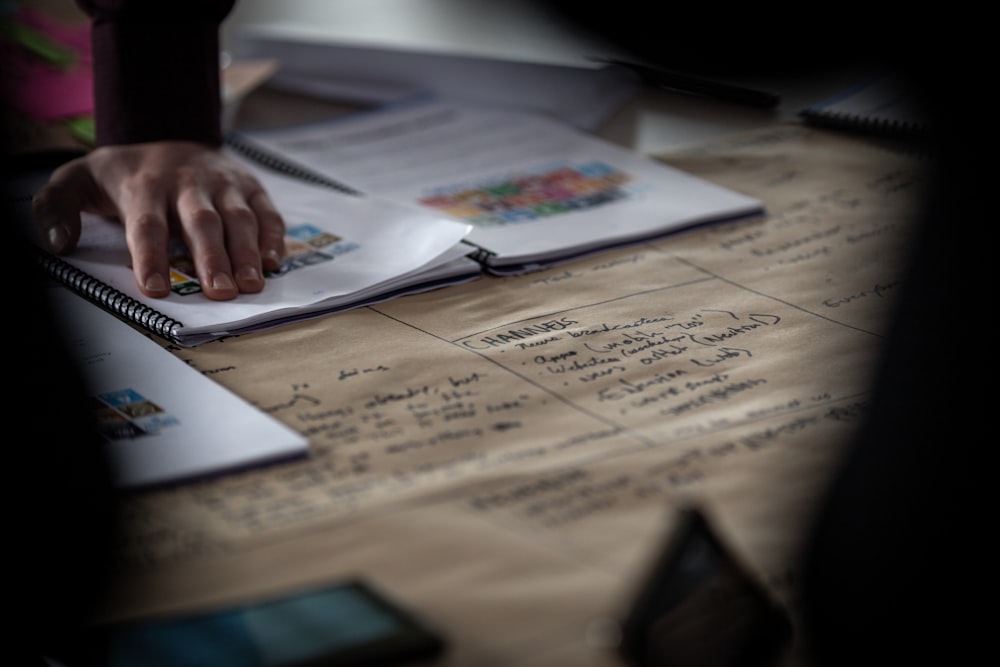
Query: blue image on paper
(122, 397)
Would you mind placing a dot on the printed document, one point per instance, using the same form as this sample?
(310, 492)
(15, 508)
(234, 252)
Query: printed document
(162, 420)
(536, 191)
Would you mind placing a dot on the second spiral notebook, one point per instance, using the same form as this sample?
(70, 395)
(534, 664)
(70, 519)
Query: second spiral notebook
(882, 106)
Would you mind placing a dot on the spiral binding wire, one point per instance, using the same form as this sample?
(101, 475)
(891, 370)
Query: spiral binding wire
(880, 126)
(110, 298)
(282, 165)
(481, 255)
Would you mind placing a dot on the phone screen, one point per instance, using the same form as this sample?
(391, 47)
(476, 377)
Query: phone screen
(348, 624)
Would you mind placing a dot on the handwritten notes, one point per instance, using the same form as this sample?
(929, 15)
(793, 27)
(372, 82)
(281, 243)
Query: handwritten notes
(506, 453)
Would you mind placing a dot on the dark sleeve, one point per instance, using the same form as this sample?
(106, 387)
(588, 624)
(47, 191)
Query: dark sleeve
(156, 69)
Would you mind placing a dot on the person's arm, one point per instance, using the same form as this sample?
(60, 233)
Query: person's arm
(158, 165)
(156, 69)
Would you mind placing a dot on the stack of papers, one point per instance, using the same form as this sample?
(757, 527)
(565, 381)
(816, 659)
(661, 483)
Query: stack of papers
(535, 190)
(546, 71)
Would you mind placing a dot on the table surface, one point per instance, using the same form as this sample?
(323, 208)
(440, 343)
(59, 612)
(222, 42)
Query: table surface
(511, 486)
(543, 528)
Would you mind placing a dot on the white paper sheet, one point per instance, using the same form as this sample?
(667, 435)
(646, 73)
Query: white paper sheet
(535, 190)
(163, 421)
(346, 68)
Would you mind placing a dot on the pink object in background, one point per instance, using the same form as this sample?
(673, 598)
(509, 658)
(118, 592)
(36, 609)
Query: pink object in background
(41, 89)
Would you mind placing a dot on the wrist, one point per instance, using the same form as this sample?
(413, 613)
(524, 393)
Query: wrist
(147, 89)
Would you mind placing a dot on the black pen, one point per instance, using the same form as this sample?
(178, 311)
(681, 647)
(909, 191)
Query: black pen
(685, 83)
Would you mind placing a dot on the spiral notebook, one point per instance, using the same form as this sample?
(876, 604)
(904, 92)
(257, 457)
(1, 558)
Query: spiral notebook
(881, 106)
(342, 252)
(537, 192)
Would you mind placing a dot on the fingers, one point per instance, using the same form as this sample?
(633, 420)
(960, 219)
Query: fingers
(232, 229)
(147, 234)
(206, 237)
(57, 205)
(233, 237)
(270, 230)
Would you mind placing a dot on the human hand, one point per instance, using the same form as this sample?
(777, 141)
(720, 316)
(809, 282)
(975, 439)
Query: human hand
(222, 212)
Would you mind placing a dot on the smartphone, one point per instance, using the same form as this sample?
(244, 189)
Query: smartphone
(700, 607)
(348, 624)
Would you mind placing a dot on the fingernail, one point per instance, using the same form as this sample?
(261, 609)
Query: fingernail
(221, 281)
(273, 257)
(156, 283)
(58, 237)
(248, 274)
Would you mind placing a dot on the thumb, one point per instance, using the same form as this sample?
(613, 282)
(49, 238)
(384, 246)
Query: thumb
(58, 204)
